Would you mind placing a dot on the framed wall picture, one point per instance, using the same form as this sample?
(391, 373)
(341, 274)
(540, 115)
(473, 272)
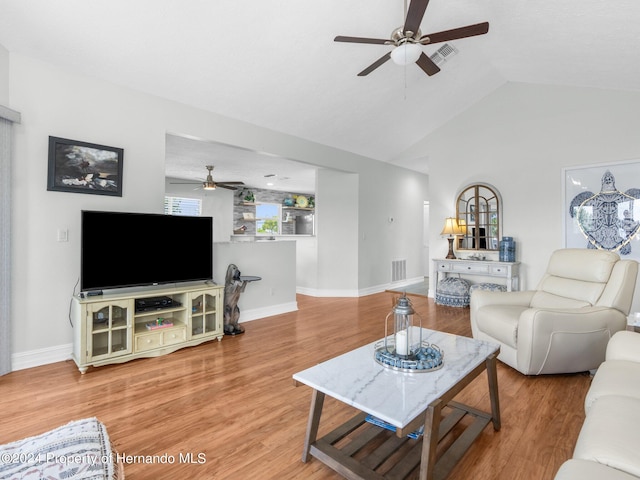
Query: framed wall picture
(81, 167)
(602, 207)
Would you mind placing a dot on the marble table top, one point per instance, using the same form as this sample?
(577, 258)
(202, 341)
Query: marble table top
(396, 397)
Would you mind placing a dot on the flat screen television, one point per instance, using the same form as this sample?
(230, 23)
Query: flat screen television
(136, 249)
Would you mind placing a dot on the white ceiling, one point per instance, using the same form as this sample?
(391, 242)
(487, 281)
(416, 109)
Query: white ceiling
(274, 63)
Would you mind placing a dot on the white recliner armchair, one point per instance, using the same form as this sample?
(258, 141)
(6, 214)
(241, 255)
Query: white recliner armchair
(564, 325)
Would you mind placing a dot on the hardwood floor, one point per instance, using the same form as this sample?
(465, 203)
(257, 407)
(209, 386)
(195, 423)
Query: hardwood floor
(233, 406)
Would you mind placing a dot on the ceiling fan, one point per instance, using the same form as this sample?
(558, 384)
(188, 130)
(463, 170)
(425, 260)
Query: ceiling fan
(209, 184)
(408, 39)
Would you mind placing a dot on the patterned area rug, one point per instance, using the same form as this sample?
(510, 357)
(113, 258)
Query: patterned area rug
(79, 450)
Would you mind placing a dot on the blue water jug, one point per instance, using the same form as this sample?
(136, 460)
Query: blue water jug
(507, 249)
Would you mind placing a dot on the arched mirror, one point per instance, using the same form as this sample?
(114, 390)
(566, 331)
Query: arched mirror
(478, 210)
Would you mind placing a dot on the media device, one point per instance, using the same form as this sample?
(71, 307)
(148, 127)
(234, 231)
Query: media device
(155, 303)
(121, 249)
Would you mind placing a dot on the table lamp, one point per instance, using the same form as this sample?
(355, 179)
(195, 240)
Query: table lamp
(452, 229)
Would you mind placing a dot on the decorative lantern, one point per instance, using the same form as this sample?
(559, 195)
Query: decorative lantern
(403, 348)
(403, 343)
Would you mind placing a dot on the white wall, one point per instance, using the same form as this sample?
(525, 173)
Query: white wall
(4, 76)
(337, 233)
(425, 239)
(273, 262)
(57, 102)
(518, 139)
(307, 264)
(390, 217)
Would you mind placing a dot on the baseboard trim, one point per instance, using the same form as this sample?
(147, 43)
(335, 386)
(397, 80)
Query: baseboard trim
(313, 292)
(42, 356)
(256, 313)
(404, 283)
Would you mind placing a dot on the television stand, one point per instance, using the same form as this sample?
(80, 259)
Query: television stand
(110, 329)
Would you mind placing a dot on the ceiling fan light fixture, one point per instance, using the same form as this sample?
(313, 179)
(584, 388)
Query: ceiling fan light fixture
(209, 184)
(406, 53)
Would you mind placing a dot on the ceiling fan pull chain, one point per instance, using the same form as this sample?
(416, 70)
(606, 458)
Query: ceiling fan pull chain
(405, 81)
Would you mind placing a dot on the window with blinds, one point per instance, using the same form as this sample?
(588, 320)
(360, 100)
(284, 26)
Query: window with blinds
(190, 207)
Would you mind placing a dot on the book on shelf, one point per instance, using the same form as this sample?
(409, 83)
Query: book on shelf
(156, 326)
(381, 423)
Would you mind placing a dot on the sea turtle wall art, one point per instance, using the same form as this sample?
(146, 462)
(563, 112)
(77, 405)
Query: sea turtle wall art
(610, 218)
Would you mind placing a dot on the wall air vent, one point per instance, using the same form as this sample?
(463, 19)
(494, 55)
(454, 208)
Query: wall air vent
(444, 53)
(398, 270)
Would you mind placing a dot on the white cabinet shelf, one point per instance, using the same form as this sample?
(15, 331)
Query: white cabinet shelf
(507, 272)
(108, 329)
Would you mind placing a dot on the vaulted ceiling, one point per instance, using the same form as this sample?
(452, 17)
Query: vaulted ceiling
(274, 63)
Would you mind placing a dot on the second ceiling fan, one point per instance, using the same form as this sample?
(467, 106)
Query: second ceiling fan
(209, 184)
(408, 39)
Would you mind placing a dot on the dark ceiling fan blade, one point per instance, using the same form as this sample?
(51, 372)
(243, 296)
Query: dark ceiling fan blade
(375, 41)
(228, 187)
(231, 183)
(456, 33)
(426, 64)
(375, 65)
(414, 15)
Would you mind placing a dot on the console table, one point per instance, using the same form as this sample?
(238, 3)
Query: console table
(508, 272)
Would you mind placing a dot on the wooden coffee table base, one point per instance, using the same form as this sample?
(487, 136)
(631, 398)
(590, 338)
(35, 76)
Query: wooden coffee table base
(361, 450)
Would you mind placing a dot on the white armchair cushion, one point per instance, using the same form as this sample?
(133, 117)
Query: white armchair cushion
(485, 298)
(543, 299)
(582, 264)
(574, 469)
(610, 434)
(624, 345)
(619, 291)
(574, 278)
(614, 377)
(501, 322)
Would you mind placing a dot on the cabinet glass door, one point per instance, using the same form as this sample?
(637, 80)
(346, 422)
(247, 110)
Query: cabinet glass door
(110, 334)
(204, 314)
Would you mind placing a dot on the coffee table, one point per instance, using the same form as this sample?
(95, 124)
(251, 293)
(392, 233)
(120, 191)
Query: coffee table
(405, 402)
